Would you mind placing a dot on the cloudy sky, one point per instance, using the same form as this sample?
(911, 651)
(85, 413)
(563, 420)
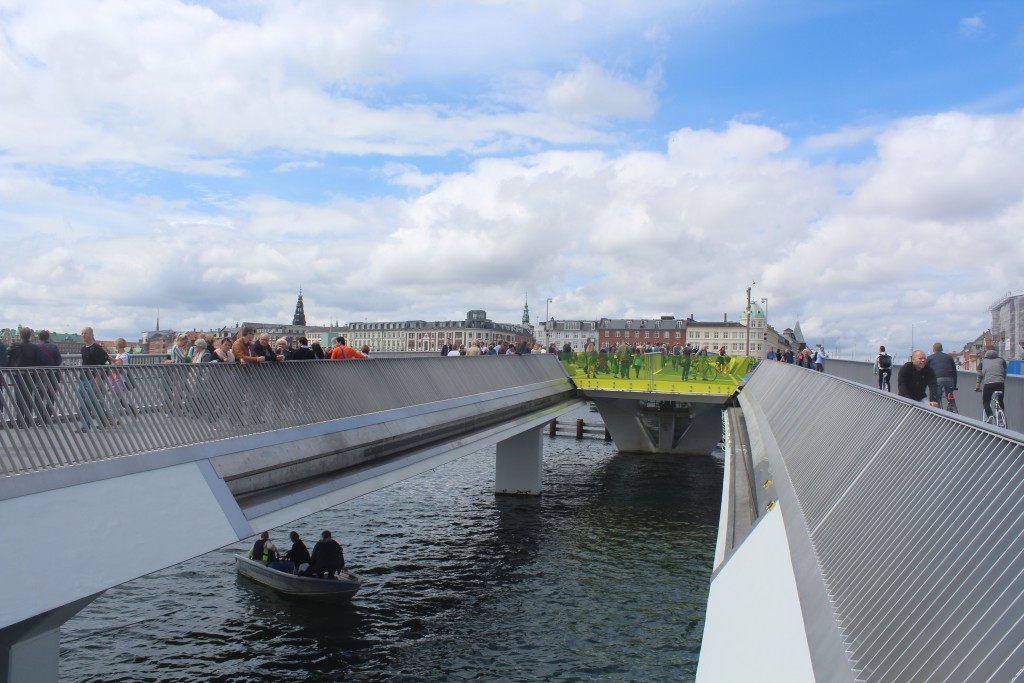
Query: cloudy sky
(860, 161)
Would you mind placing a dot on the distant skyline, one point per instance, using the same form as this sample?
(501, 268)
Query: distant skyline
(860, 161)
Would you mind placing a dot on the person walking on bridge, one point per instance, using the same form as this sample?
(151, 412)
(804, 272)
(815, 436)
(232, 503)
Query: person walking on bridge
(945, 371)
(916, 379)
(883, 368)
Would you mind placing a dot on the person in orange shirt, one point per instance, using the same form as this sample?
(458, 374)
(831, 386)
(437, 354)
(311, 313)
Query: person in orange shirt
(243, 347)
(341, 351)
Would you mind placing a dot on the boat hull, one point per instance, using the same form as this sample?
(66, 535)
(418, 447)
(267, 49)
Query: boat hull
(342, 588)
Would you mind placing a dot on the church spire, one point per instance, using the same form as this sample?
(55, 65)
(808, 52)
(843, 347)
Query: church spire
(300, 312)
(526, 310)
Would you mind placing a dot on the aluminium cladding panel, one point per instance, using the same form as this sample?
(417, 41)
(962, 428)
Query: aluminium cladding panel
(313, 450)
(146, 520)
(918, 528)
(753, 620)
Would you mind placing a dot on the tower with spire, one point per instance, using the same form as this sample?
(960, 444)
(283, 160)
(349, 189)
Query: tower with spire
(300, 312)
(526, 310)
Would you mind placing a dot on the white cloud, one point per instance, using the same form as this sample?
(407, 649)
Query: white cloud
(593, 92)
(970, 26)
(296, 165)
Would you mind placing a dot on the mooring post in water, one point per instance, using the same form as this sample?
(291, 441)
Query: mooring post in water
(552, 426)
(579, 428)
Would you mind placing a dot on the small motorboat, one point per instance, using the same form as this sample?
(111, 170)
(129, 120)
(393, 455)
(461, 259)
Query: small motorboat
(343, 587)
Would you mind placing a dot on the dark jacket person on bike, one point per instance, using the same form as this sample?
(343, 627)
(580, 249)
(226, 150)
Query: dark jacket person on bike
(991, 375)
(945, 371)
(915, 377)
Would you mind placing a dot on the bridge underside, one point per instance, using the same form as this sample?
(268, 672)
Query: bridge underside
(661, 422)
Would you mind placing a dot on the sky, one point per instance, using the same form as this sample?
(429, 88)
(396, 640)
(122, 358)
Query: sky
(858, 165)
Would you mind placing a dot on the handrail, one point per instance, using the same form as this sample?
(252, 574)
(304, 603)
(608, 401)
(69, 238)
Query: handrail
(54, 417)
(905, 526)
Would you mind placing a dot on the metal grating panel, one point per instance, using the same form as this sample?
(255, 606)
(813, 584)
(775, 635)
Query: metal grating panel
(52, 417)
(916, 520)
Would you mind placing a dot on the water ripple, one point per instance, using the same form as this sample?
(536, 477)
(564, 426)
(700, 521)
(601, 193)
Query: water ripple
(604, 577)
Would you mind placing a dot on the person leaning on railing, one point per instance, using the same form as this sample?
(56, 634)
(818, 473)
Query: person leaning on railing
(224, 353)
(91, 387)
(243, 347)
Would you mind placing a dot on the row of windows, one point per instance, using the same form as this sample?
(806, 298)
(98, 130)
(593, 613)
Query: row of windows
(642, 334)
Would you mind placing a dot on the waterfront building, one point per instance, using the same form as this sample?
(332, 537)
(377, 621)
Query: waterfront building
(974, 350)
(633, 331)
(728, 333)
(575, 333)
(421, 335)
(66, 343)
(1007, 331)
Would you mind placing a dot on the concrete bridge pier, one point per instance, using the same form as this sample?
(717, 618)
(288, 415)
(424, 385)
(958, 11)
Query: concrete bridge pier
(30, 649)
(519, 465)
(642, 426)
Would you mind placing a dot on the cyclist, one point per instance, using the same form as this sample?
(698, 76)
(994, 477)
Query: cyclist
(991, 375)
(916, 380)
(945, 371)
(883, 368)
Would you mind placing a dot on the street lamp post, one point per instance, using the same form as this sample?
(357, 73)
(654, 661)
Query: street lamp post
(748, 324)
(547, 318)
(764, 300)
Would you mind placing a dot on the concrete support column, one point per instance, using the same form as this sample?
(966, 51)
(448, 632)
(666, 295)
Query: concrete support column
(622, 420)
(519, 466)
(30, 649)
(666, 432)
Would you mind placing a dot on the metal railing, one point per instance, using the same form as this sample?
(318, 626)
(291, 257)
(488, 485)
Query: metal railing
(656, 372)
(52, 417)
(910, 518)
(967, 399)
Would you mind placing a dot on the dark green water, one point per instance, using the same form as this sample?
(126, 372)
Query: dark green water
(604, 577)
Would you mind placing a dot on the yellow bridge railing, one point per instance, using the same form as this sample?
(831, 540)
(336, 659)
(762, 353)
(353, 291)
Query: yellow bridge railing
(659, 372)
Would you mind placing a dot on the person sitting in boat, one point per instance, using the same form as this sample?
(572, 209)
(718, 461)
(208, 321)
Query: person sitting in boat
(263, 550)
(328, 557)
(299, 554)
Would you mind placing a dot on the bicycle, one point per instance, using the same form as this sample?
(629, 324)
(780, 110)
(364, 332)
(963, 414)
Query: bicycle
(951, 401)
(883, 379)
(998, 416)
(701, 369)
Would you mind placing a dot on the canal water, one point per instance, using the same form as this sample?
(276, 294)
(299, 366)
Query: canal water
(604, 577)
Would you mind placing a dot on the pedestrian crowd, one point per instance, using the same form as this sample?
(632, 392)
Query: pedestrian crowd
(248, 347)
(501, 348)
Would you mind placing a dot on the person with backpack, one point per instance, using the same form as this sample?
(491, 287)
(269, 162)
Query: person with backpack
(883, 368)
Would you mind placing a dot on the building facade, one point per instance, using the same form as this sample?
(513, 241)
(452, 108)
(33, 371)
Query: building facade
(575, 333)
(1007, 332)
(636, 331)
(424, 336)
